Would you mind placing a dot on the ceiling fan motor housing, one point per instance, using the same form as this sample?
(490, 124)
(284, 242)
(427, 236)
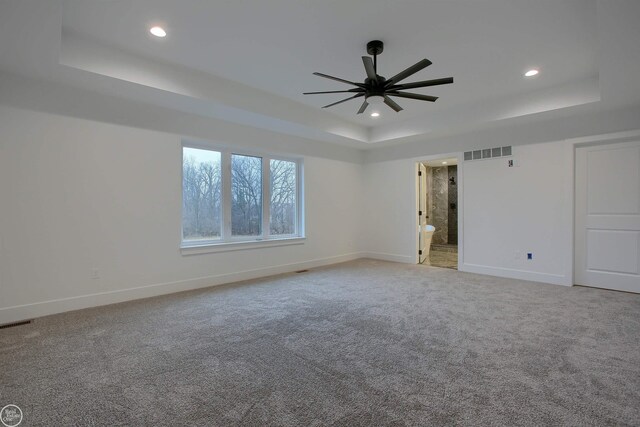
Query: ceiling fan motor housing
(375, 87)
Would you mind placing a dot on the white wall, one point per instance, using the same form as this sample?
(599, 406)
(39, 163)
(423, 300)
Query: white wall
(527, 208)
(77, 195)
(390, 204)
(510, 211)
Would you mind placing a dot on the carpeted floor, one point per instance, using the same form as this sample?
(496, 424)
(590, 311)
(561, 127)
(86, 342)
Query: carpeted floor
(365, 343)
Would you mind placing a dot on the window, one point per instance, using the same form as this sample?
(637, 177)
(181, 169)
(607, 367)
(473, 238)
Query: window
(201, 194)
(246, 195)
(283, 189)
(230, 197)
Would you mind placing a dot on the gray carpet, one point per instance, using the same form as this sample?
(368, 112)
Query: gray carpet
(365, 343)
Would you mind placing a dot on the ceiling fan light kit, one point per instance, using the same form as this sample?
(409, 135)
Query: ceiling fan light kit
(375, 99)
(377, 90)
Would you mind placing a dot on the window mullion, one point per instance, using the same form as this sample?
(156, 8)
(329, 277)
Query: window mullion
(226, 195)
(266, 196)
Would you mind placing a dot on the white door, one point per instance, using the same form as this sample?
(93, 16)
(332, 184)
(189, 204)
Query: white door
(608, 216)
(422, 211)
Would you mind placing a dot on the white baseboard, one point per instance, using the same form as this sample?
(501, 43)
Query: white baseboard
(388, 257)
(45, 308)
(512, 273)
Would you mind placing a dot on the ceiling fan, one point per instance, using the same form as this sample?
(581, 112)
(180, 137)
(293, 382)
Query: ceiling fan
(376, 89)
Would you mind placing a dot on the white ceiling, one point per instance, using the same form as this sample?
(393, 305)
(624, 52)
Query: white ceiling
(276, 45)
(249, 61)
(451, 161)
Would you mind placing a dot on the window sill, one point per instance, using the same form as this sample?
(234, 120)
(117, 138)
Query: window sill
(206, 248)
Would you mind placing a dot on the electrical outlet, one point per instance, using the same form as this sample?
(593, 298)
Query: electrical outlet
(529, 255)
(95, 273)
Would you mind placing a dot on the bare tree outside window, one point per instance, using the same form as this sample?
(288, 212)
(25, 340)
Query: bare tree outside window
(201, 194)
(283, 197)
(246, 195)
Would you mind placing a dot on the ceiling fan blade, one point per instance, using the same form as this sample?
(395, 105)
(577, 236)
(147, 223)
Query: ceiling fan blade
(369, 68)
(408, 72)
(391, 103)
(425, 83)
(326, 76)
(413, 96)
(335, 91)
(344, 100)
(363, 107)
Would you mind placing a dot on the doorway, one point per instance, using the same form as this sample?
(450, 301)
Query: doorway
(438, 212)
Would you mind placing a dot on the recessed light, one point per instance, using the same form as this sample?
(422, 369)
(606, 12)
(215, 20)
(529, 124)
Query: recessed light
(531, 73)
(158, 31)
(375, 114)
(444, 163)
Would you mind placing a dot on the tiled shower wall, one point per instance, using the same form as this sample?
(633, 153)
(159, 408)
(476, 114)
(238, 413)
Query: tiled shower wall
(453, 205)
(443, 215)
(438, 206)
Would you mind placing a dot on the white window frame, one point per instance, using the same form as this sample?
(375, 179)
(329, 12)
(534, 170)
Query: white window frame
(227, 242)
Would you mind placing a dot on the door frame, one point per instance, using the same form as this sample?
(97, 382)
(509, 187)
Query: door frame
(422, 203)
(459, 156)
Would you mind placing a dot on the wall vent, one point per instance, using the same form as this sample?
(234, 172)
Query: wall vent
(487, 153)
(14, 324)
